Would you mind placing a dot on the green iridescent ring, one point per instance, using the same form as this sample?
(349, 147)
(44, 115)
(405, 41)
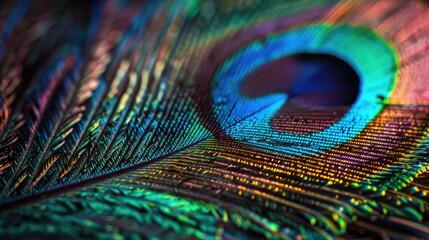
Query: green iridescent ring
(373, 58)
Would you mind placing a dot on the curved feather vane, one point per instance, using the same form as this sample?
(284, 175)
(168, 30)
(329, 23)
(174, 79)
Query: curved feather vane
(214, 119)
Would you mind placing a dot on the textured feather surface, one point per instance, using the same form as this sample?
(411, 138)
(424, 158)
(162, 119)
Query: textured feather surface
(129, 119)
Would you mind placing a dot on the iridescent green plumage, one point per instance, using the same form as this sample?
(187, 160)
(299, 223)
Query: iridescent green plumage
(120, 119)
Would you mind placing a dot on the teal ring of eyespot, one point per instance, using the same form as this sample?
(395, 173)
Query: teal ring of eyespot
(373, 58)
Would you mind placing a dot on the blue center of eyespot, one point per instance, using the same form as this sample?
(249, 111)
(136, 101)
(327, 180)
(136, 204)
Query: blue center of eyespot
(320, 89)
(368, 58)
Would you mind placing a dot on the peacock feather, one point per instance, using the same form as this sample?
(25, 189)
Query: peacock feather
(214, 119)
